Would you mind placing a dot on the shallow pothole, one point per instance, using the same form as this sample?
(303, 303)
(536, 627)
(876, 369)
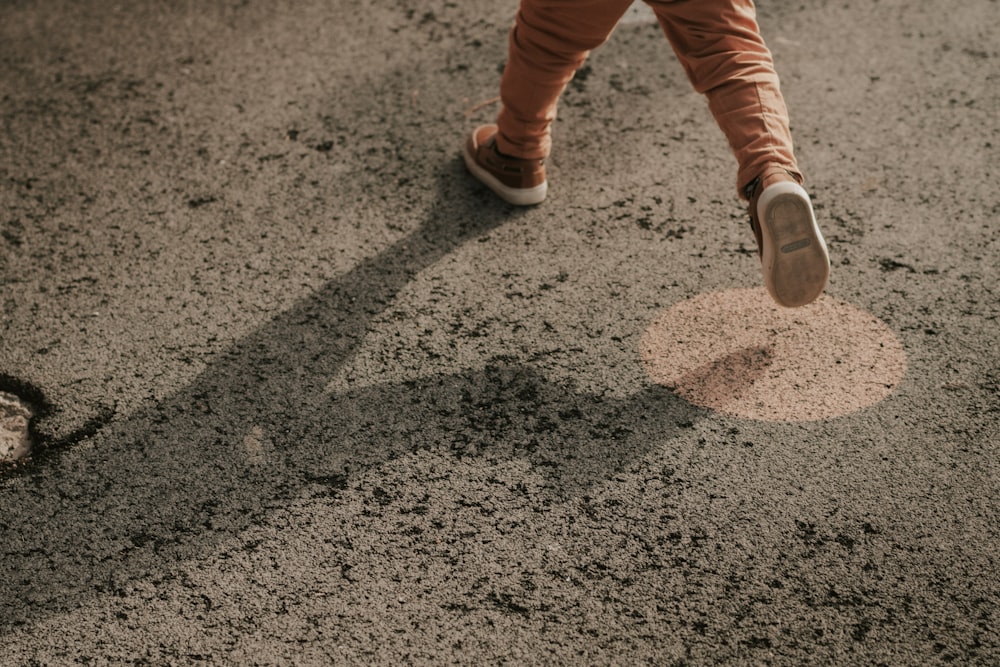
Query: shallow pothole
(15, 442)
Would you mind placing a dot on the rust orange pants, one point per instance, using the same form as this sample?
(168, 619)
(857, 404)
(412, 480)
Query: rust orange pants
(717, 42)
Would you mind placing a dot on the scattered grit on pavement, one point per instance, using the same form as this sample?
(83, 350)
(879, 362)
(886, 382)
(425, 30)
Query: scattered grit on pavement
(305, 394)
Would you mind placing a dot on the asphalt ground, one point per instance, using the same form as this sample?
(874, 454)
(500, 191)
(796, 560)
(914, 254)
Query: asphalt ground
(307, 394)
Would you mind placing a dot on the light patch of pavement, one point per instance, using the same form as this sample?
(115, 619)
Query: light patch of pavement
(638, 13)
(740, 354)
(256, 446)
(14, 416)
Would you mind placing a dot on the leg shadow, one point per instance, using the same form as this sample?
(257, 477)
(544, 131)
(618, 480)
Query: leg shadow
(170, 482)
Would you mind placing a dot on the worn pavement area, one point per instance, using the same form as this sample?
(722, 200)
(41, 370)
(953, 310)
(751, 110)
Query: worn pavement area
(304, 393)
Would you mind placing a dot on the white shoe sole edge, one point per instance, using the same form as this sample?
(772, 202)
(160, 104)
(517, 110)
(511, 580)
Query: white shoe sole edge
(794, 257)
(516, 196)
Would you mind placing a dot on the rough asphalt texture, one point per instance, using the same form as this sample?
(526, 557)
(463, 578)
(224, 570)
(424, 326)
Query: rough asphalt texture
(312, 396)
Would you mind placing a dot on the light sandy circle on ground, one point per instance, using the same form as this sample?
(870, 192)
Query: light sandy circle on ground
(739, 353)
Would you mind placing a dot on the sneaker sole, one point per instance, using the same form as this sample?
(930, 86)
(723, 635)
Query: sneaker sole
(516, 196)
(794, 259)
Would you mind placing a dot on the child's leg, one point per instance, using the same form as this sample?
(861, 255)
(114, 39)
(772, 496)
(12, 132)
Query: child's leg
(719, 45)
(549, 41)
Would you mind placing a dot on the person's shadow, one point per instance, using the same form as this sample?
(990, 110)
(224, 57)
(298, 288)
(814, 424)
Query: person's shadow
(257, 426)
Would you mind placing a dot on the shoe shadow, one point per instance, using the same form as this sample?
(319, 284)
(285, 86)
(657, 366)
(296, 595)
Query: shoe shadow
(725, 380)
(172, 481)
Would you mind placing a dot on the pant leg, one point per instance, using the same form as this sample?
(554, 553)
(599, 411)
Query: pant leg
(719, 45)
(549, 41)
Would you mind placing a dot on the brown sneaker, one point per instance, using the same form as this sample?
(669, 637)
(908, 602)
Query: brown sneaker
(516, 181)
(793, 254)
